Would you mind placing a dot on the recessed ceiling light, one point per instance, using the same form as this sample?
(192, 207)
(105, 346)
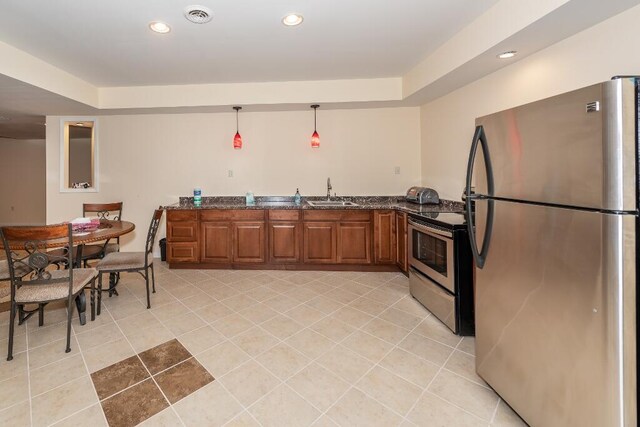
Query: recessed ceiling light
(159, 27)
(292, 19)
(79, 124)
(507, 55)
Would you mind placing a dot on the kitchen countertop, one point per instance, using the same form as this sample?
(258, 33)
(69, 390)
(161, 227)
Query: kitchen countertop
(277, 202)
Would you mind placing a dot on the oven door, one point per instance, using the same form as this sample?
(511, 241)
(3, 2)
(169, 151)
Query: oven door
(431, 252)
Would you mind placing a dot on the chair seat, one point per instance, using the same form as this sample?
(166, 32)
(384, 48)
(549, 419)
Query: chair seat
(20, 270)
(119, 261)
(5, 291)
(54, 291)
(95, 251)
(4, 270)
(112, 247)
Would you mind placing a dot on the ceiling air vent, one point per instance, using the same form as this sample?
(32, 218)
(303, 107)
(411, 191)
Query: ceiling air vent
(198, 14)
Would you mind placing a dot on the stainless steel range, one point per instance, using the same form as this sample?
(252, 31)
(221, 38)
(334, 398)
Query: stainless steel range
(441, 273)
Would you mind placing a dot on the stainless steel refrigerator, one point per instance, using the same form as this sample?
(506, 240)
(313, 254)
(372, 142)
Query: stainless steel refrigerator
(555, 245)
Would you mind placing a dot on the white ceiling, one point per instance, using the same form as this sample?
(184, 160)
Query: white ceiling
(108, 43)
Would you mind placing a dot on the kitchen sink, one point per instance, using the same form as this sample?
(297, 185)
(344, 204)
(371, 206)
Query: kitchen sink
(330, 203)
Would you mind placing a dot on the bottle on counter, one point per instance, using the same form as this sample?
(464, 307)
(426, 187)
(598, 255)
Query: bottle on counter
(197, 197)
(250, 200)
(297, 198)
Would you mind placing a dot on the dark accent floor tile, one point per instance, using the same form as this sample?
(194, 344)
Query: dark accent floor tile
(117, 377)
(183, 379)
(164, 356)
(134, 405)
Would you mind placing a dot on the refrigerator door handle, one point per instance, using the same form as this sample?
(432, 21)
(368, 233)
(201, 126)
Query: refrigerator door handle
(479, 138)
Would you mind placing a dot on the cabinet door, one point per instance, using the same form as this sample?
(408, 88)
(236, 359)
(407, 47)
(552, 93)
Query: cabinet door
(384, 236)
(178, 252)
(284, 241)
(354, 243)
(401, 241)
(215, 239)
(182, 231)
(248, 242)
(320, 241)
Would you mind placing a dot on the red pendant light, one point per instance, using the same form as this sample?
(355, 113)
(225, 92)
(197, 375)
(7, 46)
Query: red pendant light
(315, 138)
(237, 140)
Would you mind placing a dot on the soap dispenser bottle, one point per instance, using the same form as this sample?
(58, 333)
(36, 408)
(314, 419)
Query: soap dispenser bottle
(297, 198)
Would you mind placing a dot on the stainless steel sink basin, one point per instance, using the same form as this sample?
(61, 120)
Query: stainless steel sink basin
(331, 203)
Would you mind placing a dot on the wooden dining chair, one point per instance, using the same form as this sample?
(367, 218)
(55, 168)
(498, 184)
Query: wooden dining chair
(108, 211)
(35, 275)
(5, 281)
(136, 262)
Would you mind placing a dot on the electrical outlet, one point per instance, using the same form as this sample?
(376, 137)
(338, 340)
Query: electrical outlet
(230, 173)
(397, 170)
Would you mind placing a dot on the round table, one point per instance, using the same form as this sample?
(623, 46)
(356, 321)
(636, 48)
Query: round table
(107, 230)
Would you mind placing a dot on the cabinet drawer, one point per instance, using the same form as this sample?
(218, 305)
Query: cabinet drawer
(179, 215)
(337, 215)
(232, 214)
(182, 231)
(182, 252)
(284, 215)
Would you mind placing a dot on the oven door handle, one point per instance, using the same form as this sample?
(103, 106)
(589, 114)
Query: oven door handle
(480, 256)
(429, 230)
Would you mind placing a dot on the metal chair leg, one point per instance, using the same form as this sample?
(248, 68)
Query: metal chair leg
(99, 293)
(70, 305)
(40, 314)
(93, 299)
(153, 278)
(146, 279)
(21, 316)
(12, 321)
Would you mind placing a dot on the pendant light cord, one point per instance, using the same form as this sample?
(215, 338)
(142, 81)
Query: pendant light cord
(237, 120)
(315, 117)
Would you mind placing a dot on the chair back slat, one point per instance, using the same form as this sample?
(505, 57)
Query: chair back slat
(153, 229)
(110, 211)
(29, 256)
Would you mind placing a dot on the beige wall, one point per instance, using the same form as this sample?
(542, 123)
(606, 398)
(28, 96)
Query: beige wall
(150, 160)
(592, 56)
(22, 181)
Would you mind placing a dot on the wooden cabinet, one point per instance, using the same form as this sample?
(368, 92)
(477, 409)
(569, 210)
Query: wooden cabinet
(182, 252)
(337, 237)
(284, 236)
(354, 243)
(384, 237)
(248, 242)
(216, 242)
(232, 236)
(243, 237)
(401, 242)
(182, 236)
(320, 242)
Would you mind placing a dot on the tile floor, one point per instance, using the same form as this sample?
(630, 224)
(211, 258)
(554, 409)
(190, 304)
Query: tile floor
(249, 348)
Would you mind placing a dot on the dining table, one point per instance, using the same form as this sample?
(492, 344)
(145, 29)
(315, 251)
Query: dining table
(107, 229)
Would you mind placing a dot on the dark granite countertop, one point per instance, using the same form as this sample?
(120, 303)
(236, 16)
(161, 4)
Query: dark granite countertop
(283, 202)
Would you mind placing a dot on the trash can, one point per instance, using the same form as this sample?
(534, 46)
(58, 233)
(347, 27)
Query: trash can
(163, 249)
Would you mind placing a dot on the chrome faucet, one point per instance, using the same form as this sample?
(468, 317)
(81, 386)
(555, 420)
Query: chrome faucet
(329, 188)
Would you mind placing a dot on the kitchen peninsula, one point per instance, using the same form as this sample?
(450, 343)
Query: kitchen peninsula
(368, 234)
